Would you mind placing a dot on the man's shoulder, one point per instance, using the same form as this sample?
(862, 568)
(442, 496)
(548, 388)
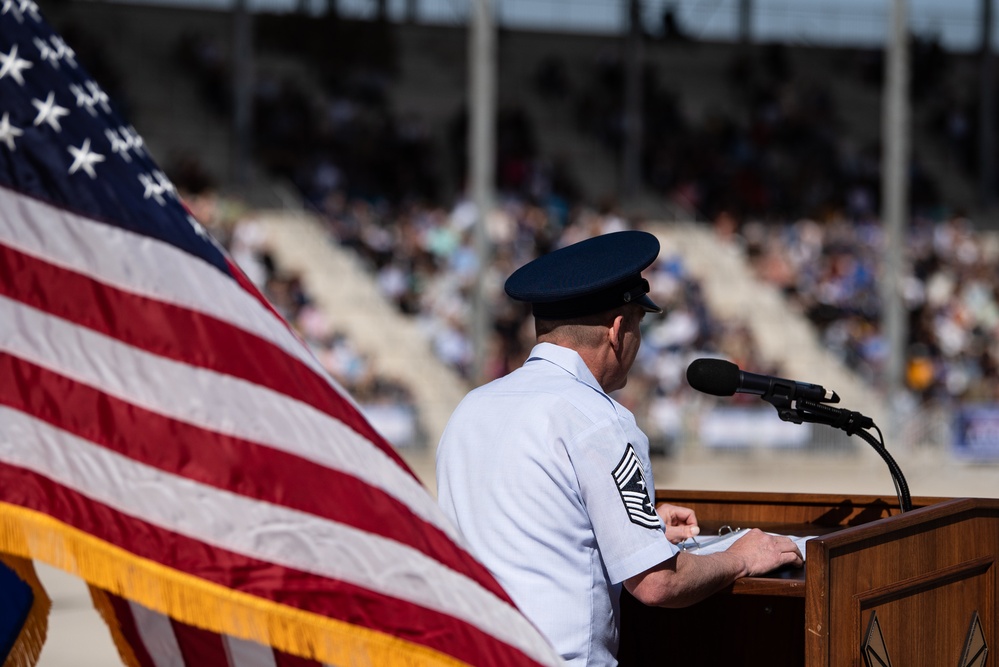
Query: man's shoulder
(541, 391)
(523, 385)
(538, 378)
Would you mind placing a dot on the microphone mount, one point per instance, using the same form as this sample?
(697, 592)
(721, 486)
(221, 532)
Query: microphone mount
(798, 411)
(781, 392)
(801, 410)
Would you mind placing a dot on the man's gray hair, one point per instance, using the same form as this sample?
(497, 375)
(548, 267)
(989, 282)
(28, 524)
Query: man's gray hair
(582, 331)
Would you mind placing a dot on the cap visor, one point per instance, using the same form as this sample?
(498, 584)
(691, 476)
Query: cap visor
(648, 304)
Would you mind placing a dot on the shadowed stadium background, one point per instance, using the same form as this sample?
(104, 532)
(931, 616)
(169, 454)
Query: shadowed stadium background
(327, 145)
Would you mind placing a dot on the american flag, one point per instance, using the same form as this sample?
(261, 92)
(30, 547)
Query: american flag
(167, 437)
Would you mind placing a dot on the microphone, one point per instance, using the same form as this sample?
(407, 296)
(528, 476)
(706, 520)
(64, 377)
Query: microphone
(796, 402)
(723, 378)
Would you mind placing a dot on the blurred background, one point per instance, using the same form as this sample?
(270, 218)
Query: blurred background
(821, 175)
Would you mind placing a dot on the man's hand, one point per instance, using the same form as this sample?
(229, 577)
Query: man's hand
(687, 577)
(681, 523)
(762, 552)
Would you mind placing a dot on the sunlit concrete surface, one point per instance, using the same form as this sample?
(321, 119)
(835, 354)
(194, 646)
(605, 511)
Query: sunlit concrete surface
(77, 635)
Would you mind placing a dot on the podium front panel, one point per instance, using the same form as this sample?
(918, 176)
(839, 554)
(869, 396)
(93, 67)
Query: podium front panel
(915, 590)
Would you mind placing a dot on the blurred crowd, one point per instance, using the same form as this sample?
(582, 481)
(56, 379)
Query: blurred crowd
(773, 173)
(424, 261)
(831, 272)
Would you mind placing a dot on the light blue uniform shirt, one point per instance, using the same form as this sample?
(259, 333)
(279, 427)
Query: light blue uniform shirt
(549, 480)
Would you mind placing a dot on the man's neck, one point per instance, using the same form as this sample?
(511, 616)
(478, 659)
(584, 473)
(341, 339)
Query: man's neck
(600, 359)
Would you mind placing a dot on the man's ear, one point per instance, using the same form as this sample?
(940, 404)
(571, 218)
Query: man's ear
(615, 333)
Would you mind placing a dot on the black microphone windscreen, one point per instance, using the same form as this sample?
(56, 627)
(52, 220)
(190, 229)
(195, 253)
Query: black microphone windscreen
(713, 376)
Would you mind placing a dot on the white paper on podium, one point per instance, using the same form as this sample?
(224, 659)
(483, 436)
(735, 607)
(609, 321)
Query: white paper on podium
(712, 544)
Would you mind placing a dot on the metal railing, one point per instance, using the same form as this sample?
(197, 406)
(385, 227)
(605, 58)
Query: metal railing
(811, 22)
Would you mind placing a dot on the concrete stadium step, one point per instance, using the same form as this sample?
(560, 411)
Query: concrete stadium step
(346, 292)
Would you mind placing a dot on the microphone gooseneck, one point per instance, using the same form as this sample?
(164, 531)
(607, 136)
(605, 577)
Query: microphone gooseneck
(796, 402)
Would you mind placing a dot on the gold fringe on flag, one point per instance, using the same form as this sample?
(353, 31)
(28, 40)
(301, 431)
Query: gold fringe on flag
(29, 643)
(203, 604)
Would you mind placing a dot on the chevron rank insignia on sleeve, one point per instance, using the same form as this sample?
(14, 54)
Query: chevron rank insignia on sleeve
(634, 492)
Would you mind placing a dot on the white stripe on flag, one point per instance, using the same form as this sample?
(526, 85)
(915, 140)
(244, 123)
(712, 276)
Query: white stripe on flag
(209, 400)
(261, 530)
(157, 635)
(145, 267)
(244, 653)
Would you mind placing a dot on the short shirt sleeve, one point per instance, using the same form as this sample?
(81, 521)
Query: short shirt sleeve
(614, 476)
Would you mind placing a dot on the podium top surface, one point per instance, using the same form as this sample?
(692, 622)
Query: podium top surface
(831, 510)
(838, 522)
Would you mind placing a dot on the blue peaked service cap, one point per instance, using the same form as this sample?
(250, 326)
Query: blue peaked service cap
(592, 276)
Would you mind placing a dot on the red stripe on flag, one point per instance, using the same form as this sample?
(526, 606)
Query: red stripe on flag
(301, 590)
(200, 647)
(129, 631)
(288, 660)
(209, 457)
(176, 333)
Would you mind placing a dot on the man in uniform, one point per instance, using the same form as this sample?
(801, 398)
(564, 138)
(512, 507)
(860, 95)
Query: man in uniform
(549, 478)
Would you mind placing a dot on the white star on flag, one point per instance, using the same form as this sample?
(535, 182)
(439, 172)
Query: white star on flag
(11, 7)
(83, 99)
(8, 132)
(84, 158)
(152, 189)
(126, 138)
(135, 141)
(49, 112)
(166, 185)
(13, 65)
(118, 145)
(46, 52)
(30, 7)
(198, 228)
(64, 51)
(98, 96)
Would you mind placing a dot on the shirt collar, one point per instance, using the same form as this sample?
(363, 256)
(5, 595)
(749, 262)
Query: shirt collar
(566, 359)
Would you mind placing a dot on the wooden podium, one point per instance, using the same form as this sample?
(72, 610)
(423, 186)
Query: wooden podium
(879, 588)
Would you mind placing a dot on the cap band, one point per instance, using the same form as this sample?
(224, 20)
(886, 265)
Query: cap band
(592, 303)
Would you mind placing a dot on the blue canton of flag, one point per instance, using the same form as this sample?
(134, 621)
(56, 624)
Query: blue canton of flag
(24, 609)
(17, 600)
(66, 143)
